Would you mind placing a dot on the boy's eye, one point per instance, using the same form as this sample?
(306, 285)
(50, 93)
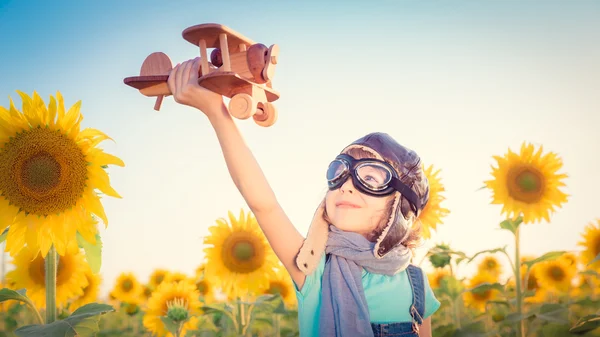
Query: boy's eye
(374, 175)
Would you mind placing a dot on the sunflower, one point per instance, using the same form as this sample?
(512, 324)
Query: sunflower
(177, 277)
(30, 273)
(432, 214)
(556, 275)
(479, 299)
(591, 245)
(90, 292)
(282, 284)
(571, 259)
(240, 257)
(49, 173)
(528, 184)
(146, 292)
(127, 289)
(533, 284)
(490, 265)
(157, 276)
(206, 290)
(167, 295)
(435, 278)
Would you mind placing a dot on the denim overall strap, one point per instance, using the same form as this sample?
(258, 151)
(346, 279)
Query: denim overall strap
(417, 283)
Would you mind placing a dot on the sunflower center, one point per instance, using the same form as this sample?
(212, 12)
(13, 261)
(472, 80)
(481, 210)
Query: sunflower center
(532, 283)
(491, 264)
(243, 252)
(202, 287)
(159, 278)
(525, 184)
(37, 270)
(127, 286)
(528, 181)
(557, 274)
(42, 171)
(482, 295)
(277, 288)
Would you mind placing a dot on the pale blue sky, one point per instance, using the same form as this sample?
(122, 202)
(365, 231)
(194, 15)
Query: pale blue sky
(457, 81)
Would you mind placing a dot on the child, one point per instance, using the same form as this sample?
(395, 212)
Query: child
(352, 273)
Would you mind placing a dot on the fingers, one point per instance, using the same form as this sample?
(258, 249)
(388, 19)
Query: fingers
(194, 71)
(179, 75)
(186, 72)
(171, 81)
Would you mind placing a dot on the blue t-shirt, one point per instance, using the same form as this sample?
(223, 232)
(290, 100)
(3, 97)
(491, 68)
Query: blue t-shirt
(388, 298)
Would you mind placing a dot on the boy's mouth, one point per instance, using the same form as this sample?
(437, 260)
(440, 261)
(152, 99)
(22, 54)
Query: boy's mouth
(346, 204)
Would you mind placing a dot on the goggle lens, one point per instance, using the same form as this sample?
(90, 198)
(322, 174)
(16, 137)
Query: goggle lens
(371, 175)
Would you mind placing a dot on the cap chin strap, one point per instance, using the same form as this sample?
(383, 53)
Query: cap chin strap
(407, 192)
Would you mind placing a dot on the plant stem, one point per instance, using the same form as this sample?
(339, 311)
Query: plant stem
(518, 280)
(37, 313)
(276, 325)
(457, 311)
(51, 264)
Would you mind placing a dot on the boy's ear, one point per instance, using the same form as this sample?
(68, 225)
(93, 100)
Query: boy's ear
(315, 242)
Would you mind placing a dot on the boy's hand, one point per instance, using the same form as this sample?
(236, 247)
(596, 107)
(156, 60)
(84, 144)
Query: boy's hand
(183, 84)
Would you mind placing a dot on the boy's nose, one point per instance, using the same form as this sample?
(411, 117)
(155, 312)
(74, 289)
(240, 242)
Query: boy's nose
(347, 186)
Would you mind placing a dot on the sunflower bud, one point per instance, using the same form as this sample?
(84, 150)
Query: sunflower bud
(177, 310)
(441, 257)
(498, 317)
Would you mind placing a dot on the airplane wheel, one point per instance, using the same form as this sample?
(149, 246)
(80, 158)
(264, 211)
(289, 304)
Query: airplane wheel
(242, 106)
(269, 117)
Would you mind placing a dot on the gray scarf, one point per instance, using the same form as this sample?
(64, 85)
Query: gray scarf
(344, 310)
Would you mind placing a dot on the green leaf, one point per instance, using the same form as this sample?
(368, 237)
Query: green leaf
(270, 304)
(555, 330)
(515, 317)
(505, 303)
(483, 287)
(586, 324)
(553, 312)
(597, 258)
(82, 323)
(546, 257)
(590, 272)
(490, 251)
(587, 302)
(9, 294)
(170, 325)
(218, 308)
(93, 253)
(511, 225)
(4, 235)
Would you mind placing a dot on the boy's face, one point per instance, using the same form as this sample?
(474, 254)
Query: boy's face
(353, 211)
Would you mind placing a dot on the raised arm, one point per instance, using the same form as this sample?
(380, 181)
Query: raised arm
(243, 168)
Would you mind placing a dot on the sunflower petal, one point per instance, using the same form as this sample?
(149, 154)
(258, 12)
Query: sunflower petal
(101, 181)
(102, 158)
(28, 110)
(95, 206)
(51, 112)
(71, 118)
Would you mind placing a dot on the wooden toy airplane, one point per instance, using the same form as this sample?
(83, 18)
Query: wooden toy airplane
(239, 69)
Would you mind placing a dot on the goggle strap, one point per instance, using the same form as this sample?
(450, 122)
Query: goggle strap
(407, 192)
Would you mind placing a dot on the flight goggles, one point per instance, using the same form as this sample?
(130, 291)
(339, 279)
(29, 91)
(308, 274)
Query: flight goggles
(370, 176)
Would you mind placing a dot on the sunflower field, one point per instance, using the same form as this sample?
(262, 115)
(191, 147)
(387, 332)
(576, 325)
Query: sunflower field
(53, 178)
